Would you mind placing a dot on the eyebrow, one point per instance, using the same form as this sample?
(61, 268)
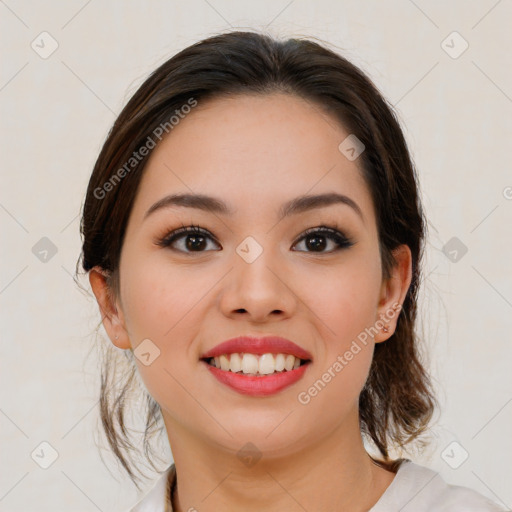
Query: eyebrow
(293, 207)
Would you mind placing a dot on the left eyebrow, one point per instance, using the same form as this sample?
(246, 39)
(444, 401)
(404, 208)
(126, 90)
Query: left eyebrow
(295, 206)
(304, 203)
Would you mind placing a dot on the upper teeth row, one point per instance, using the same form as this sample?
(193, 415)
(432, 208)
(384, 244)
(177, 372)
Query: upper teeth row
(251, 363)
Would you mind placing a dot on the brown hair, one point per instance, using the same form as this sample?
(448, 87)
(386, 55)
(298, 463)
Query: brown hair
(397, 401)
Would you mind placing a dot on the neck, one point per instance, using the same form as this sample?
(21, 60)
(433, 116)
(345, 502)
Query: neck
(334, 473)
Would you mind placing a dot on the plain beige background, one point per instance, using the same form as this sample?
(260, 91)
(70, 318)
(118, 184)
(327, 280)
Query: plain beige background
(455, 104)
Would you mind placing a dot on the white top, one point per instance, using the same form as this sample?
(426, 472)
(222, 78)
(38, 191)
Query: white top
(414, 488)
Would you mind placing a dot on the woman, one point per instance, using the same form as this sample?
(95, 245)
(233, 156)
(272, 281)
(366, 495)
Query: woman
(253, 233)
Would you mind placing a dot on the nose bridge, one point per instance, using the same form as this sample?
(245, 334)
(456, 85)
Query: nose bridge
(256, 285)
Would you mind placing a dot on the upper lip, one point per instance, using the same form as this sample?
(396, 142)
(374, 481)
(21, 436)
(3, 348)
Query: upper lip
(258, 345)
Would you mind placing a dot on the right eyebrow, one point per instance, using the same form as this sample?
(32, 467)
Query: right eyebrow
(198, 201)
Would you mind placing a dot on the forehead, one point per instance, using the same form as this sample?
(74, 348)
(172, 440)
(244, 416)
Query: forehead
(255, 152)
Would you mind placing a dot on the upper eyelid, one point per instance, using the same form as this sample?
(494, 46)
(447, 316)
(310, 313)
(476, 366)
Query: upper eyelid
(183, 230)
(321, 228)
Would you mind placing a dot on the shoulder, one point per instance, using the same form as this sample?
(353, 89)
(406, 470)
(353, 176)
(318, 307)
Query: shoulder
(417, 488)
(156, 499)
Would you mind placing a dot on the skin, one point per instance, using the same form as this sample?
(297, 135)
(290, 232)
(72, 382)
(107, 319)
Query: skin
(255, 153)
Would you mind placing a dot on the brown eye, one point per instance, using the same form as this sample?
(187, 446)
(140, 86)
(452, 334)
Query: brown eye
(190, 238)
(316, 240)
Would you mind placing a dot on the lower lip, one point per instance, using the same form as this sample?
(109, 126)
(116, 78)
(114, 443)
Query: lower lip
(258, 386)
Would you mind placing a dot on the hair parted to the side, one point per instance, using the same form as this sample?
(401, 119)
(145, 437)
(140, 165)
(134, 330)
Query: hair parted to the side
(397, 401)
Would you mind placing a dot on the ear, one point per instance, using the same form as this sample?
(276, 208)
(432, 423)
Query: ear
(111, 314)
(392, 293)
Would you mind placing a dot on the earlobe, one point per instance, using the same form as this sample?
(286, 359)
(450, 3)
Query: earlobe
(393, 293)
(111, 316)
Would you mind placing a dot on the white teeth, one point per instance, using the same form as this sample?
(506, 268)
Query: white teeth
(288, 363)
(252, 364)
(224, 362)
(267, 364)
(280, 362)
(235, 364)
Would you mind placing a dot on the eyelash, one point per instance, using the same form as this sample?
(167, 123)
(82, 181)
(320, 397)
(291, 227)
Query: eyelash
(331, 233)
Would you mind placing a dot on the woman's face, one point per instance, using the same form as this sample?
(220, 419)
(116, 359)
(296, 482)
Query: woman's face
(252, 271)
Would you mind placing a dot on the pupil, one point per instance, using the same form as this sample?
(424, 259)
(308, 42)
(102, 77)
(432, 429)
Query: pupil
(195, 242)
(319, 242)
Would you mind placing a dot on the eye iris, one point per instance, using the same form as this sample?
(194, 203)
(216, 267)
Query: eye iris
(319, 242)
(197, 242)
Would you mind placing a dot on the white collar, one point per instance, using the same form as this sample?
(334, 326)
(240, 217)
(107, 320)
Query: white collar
(414, 488)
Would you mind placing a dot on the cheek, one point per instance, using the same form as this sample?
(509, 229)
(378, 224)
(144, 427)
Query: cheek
(158, 299)
(333, 391)
(161, 305)
(345, 310)
(344, 298)
(344, 302)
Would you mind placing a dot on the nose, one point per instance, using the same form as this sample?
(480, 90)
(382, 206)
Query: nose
(258, 290)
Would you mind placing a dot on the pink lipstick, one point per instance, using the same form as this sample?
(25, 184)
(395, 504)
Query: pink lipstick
(253, 380)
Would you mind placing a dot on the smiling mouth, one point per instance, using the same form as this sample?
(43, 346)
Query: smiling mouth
(256, 365)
